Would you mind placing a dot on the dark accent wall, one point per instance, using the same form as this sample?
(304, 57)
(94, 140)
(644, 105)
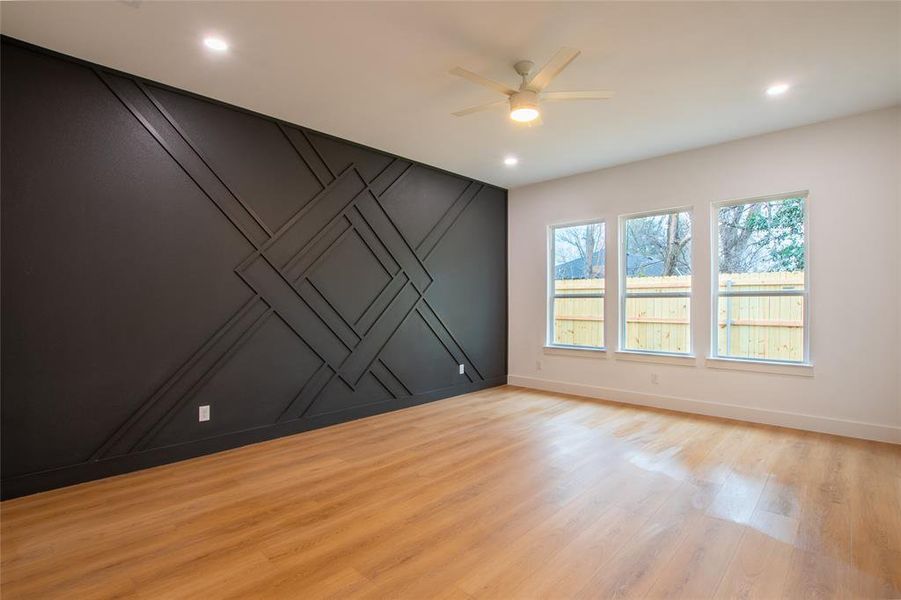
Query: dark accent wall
(162, 251)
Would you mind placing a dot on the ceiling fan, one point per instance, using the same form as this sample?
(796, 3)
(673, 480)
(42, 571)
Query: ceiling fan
(524, 102)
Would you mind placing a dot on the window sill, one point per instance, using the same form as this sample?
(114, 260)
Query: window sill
(738, 364)
(581, 352)
(685, 360)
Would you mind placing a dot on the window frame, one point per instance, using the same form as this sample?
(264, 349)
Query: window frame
(551, 288)
(715, 293)
(622, 257)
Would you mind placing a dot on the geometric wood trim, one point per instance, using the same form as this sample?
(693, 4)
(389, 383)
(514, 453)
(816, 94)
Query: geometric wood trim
(334, 269)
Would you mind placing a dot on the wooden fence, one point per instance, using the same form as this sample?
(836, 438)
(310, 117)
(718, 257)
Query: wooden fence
(767, 327)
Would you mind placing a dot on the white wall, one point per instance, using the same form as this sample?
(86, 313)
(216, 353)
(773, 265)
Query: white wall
(851, 168)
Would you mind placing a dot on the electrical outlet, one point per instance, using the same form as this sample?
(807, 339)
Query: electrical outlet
(462, 369)
(654, 378)
(203, 413)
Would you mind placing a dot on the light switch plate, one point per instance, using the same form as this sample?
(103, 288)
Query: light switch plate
(203, 413)
(462, 369)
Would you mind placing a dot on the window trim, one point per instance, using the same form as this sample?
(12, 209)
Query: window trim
(761, 366)
(575, 351)
(622, 257)
(550, 295)
(666, 358)
(714, 359)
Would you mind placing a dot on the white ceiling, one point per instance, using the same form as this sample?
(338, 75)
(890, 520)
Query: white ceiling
(686, 74)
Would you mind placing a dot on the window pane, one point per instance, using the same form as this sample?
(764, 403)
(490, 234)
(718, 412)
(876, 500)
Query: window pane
(761, 245)
(658, 253)
(657, 259)
(579, 255)
(658, 324)
(761, 327)
(579, 321)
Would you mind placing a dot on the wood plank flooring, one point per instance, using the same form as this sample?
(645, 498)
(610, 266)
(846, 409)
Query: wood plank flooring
(504, 493)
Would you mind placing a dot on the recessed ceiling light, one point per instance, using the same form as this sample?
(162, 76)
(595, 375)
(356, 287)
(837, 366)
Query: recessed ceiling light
(777, 89)
(215, 43)
(511, 161)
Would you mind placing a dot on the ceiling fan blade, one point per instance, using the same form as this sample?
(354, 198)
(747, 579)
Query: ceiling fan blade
(480, 108)
(595, 95)
(553, 68)
(488, 83)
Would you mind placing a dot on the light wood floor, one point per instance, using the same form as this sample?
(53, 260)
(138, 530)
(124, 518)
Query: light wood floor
(504, 493)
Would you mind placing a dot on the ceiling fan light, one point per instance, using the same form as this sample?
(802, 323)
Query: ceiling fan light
(524, 115)
(524, 106)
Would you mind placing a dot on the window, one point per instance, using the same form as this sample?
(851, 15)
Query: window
(761, 298)
(577, 285)
(655, 283)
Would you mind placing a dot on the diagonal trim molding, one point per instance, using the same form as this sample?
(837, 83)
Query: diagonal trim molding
(286, 278)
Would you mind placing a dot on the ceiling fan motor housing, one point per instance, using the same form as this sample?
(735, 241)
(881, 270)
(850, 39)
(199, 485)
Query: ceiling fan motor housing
(524, 99)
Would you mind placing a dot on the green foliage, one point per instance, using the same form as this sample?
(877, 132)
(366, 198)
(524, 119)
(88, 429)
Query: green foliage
(762, 237)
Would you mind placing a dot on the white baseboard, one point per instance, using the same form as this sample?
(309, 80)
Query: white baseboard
(855, 429)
